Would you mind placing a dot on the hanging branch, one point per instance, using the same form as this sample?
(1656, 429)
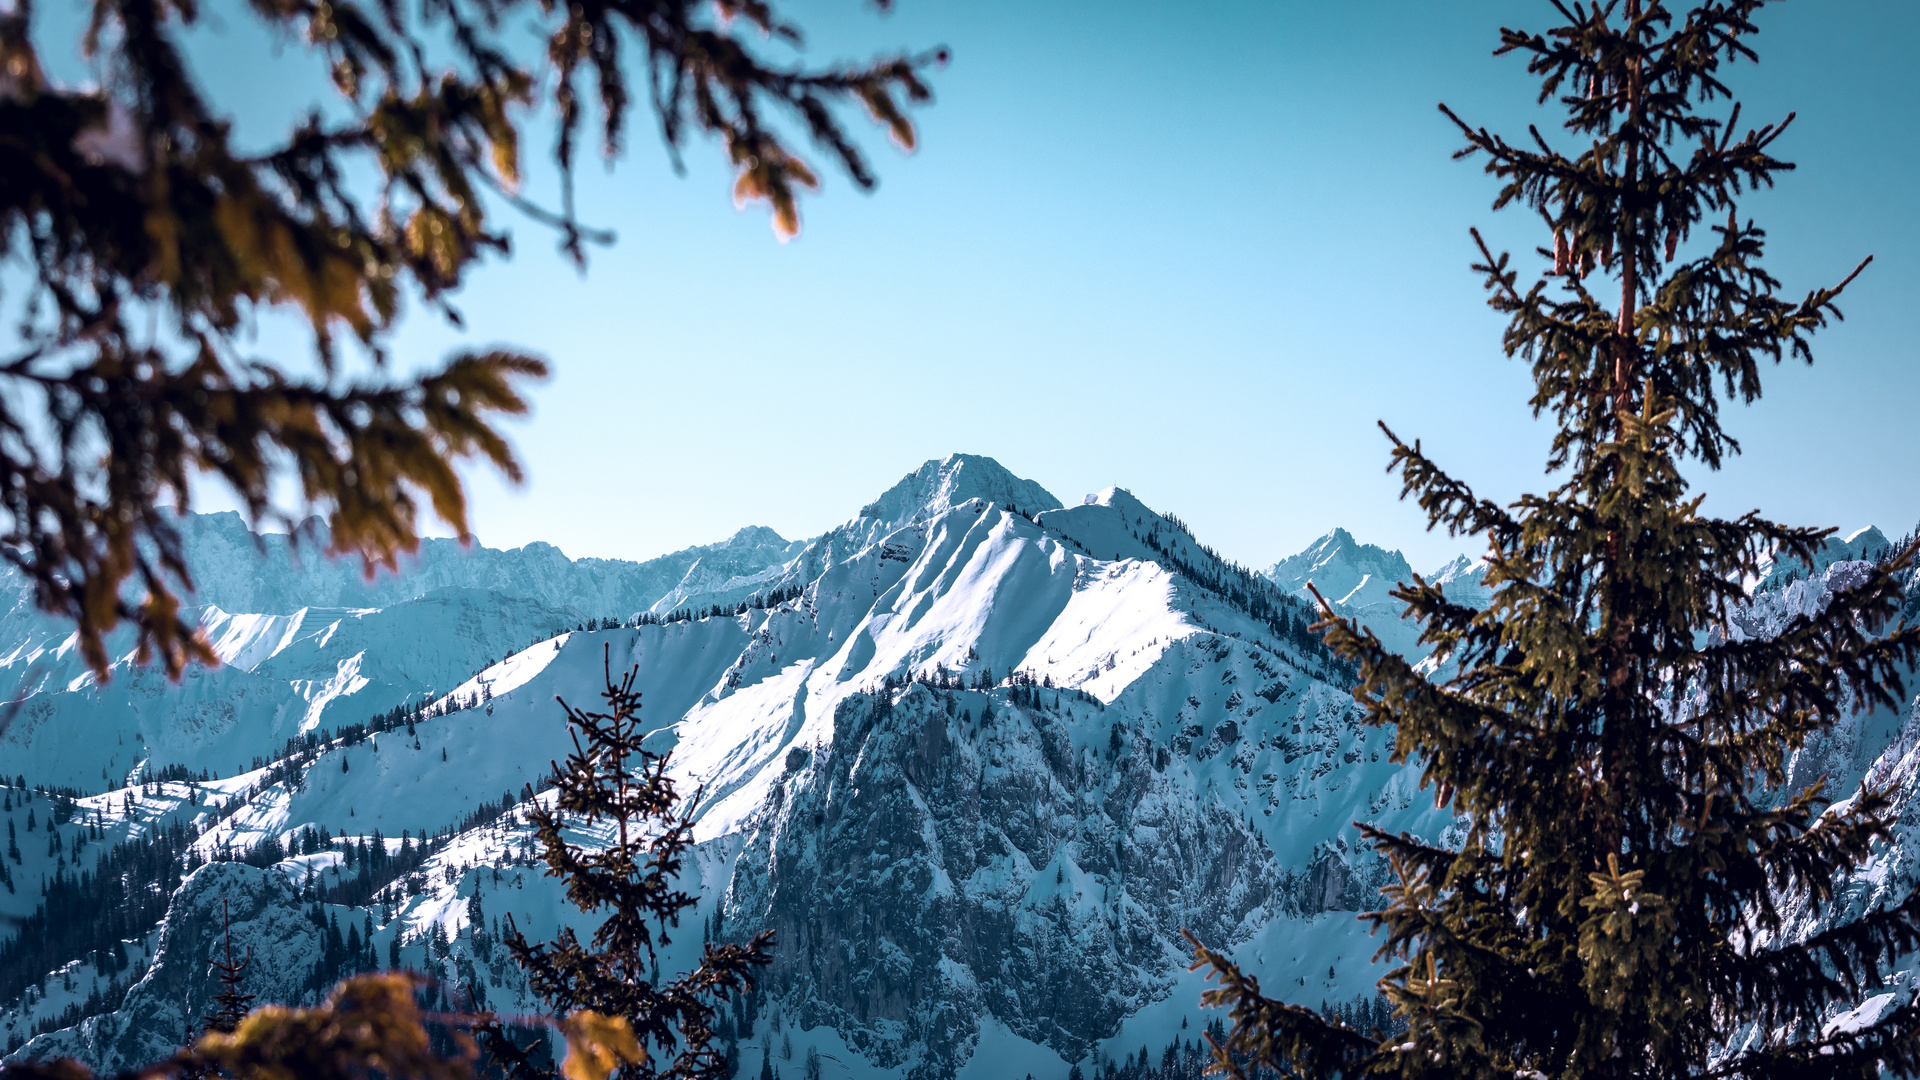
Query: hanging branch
(149, 244)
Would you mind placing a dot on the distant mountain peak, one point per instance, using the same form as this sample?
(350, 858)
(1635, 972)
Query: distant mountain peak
(944, 483)
(1867, 543)
(931, 707)
(1455, 567)
(756, 534)
(1357, 579)
(1337, 563)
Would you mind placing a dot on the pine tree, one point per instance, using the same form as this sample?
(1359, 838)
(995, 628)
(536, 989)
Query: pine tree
(476, 912)
(1638, 894)
(612, 779)
(230, 1005)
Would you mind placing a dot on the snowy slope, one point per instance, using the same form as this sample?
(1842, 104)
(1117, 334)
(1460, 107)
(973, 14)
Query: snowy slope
(285, 675)
(1138, 751)
(977, 771)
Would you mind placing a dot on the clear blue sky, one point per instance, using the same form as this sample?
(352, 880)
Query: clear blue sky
(1194, 249)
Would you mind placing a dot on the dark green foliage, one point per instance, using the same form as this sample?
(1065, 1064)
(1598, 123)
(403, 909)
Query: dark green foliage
(86, 914)
(340, 957)
(230, 1005)
(151, 242)
(1180, 1059)
(613, 782)
(1637, 890)
(90, 912)
(759, 601)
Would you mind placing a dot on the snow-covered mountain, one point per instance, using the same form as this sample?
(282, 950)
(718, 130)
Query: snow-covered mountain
(976, 757)
(1358, 581)
(1860, 545)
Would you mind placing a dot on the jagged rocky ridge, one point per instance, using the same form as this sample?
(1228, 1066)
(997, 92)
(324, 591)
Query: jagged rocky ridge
(975, 756)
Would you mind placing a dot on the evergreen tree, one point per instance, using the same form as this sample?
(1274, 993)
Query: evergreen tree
(230, 1005)
(1638, 894)
(612, 779)
(476, 912)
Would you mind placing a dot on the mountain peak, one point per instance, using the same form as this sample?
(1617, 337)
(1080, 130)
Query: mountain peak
(1867, 543)
(1464, 581)
(756, 534)
(1337, 563)
(943, 483)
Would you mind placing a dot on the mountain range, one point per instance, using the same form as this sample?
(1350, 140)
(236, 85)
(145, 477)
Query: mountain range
(975, 756)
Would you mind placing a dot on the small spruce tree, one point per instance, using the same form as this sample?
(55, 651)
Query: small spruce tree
(612, 779)
(230, 1005)
(1638, 893)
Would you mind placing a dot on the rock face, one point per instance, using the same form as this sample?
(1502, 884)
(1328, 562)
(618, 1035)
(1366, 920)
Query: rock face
(941, 860)
(268, 925)
(1328, 878)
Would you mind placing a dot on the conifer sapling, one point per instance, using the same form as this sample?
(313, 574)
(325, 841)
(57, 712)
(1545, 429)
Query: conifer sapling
(616, 788)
